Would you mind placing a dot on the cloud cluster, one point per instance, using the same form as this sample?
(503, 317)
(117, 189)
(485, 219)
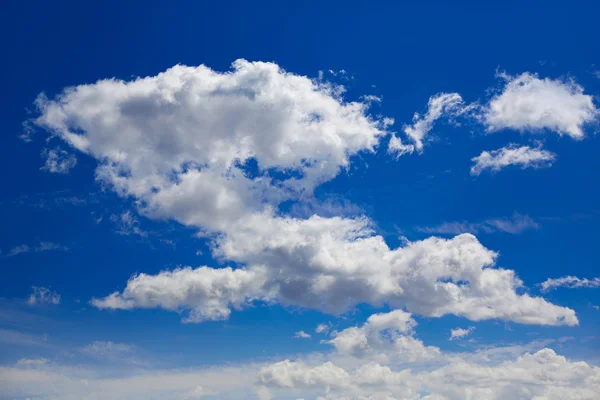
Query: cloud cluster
(394, 375)
(333, 264)
(220, 151)
(380, 359)
(526, 102)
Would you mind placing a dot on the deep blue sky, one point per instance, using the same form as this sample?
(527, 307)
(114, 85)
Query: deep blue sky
(402, 52)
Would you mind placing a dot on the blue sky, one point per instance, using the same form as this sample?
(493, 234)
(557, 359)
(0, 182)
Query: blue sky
(173, 142)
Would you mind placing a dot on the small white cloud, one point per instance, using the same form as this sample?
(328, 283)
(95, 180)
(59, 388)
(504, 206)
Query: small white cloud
(571, 282)
(58, 161)
(524, 156)
(302, 335)
(530, 103)
(460, 333)
(42, 295)
(322, 328)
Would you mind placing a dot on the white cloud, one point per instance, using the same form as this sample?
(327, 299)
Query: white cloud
(533, 104)
(58, 161)
(333, 264)
(42, 295)
(512, 154)
(184, 141)
(448, 104)
(520, 372)
(541, 375)
(220, 151)
(460, 333)
(384, 337)
(203, 293)
(515, 224)
(302, 335)
(569, 282)
(322, 328)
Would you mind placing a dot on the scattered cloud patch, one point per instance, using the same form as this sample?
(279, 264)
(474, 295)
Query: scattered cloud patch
(512, 154)
(58, 161)
(127, 224)
(42, 295)
(41, 247)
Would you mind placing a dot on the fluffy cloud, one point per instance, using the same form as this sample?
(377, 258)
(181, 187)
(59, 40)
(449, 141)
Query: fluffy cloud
(569, 282)
(512, 154)
(42, 295)
(220, 151)
(460, 333)
(333, 264)
(58, 161)
(353, 370)
(224, 142)
(203, 293)
(530, 103)
(541, 375)
(514, 224)
(384, 337)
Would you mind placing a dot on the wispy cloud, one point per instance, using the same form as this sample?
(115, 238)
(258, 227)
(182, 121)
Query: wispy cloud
(127, 224)
(58, 161)
(42, 295)
(515, 224)
(571, 282)
(42, 246)
(523, 156)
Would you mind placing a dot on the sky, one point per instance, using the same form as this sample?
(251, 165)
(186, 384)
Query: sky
(310, 200)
